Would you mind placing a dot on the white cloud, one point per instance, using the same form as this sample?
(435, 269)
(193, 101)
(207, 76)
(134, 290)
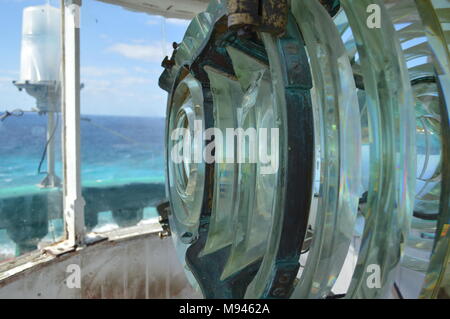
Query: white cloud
(172, 21)
(138, 41)
(141, 70)
(10, 72)
(94, 86)
(93, 71)
(133, 80)
(114, 81)
(105, 37)
(148, 53)
(6, 81)
(128, 95)
(179, 22)
(152, 21)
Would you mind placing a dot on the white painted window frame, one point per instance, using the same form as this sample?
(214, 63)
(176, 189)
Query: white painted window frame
(73, 202)
(70, 88)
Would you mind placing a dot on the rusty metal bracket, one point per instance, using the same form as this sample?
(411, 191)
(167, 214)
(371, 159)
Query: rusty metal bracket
(247, 16)
(163, 209)
(166, 79)
(243, 13)
(169, 63)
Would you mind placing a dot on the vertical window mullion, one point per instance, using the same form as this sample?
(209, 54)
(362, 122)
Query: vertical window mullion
(73, 200)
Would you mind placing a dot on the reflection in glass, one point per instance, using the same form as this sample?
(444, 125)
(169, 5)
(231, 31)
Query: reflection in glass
(30, 152)
(391, 191)
(256, 189)
(340, 144)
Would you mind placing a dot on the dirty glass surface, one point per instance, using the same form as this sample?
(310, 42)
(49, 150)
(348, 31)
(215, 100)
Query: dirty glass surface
(122, 114)
(340, 142)
(30, 130)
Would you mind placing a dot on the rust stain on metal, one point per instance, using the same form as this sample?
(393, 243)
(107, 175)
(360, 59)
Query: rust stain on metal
(275, 14)
(258, 15)
(243, 12)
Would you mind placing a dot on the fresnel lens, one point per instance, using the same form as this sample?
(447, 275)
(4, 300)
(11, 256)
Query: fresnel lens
(307, 148)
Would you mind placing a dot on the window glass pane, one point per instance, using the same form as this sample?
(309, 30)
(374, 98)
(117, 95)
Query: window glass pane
(30, 128)
(123, 114)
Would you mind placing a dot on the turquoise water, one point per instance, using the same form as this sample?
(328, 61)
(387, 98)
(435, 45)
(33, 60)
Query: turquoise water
(113, 148)
(115, 151)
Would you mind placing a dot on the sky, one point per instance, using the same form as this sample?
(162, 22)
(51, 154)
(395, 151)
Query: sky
(121, 54)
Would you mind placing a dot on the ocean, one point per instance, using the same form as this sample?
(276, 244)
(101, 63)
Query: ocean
(114, 150)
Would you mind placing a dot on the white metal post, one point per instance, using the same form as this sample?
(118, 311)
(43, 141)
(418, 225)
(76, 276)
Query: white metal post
(73, 200)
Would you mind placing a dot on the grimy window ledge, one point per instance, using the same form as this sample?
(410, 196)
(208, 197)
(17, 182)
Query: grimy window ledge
(21, 266)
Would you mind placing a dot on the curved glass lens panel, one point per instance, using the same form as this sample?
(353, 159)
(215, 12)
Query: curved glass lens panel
(185, 157)
(391, 191)
(340, 141)
(434, 15)
(227, 95)
(257, 179)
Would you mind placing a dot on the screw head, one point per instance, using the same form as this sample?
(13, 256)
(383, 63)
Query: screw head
(187, 238)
